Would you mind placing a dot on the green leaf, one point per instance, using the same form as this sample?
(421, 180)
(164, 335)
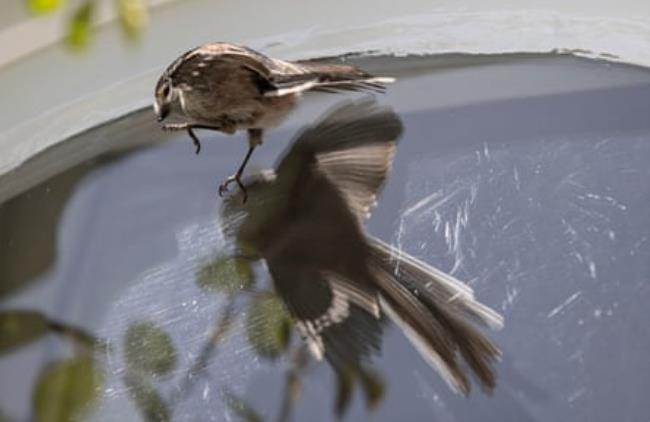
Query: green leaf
(80, 26)
(268, 326)
(18, 328)
(373, 387)
(345, 381)
(67, 390)
(226, 275)
(151, 405)
(133, 15)
(41, 7)
(241, 408)
(149, 349)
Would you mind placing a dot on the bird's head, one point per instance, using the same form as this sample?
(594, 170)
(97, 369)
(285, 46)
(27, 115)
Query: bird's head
(163, 97)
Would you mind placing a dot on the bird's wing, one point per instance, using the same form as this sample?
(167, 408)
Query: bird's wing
(352, 147)
(298, 77)
(219, 60)
(435, 311)
(433, 285)
(225, 58)
(223, 53)
(272, 77)
(336, 319)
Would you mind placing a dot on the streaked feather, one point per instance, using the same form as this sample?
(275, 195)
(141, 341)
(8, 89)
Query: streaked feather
(437, 307)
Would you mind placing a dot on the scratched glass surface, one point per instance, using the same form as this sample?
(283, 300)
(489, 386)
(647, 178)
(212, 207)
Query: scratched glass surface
(539, 201)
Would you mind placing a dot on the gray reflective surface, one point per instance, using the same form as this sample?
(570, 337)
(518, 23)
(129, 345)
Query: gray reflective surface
(538, 199)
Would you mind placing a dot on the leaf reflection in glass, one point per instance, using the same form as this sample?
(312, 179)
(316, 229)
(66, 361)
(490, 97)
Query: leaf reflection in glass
(67, 389)
(149, 349)
(242, 409)
(227, 275)
(18, 328)
(151, 405)
(267, 326)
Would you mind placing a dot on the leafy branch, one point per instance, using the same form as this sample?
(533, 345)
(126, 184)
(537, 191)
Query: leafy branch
(133, 16)
(66, 389)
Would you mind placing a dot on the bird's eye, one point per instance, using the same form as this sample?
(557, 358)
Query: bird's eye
(166, 91)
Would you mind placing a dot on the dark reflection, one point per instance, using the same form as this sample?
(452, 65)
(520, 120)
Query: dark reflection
(28, 224)
(305, 221)
(332, 283)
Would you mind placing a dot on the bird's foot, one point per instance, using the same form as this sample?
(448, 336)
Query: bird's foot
(195, 140)
(235, 178)
(174, 127)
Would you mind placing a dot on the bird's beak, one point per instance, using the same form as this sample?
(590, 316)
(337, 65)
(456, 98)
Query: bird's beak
(162, 112)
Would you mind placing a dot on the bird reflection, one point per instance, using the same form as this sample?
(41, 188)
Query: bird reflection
(305, 220)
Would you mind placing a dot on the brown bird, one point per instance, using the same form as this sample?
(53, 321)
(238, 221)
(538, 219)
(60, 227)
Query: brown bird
(227, 87)
(306, 221)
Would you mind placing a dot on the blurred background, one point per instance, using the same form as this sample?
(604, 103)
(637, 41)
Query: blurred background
(522, 171)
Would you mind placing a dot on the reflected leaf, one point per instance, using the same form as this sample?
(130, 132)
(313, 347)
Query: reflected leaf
(78, 335)
(148, 348)
(146, 398)
(344, 389)
(226, 275)
(80, 25)
(198, 368)
(133, 15)
(268, 326)
(66, 390)
(292, 390)
(17, 328)
(225, 323)
(294, 386)
(241, 408)
(43, 6)
(373, 387)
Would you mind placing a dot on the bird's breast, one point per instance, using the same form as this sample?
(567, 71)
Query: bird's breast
(245, 109)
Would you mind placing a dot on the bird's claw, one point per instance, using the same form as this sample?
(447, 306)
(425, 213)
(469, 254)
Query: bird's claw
(223, 188)
(174, 127)
(195, 140)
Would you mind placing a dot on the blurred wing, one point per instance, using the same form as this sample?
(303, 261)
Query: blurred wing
(434, 310)
(307, 216)
(336, 319)
(433, 285)
(353, 147)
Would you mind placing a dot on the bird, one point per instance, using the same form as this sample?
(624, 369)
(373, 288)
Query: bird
(227, 87)
(305, 220)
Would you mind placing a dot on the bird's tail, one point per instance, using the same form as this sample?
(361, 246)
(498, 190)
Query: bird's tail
(333, 78)
(435, 312)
